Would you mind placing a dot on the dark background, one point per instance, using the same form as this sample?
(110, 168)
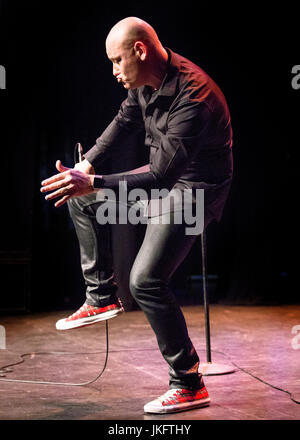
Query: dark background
(60, 90)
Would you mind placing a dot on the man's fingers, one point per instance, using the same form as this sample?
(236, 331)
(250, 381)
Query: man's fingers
(60, 167)
(65, 185)
(57, 185)
(55, 178)
(66, 190)
(61, 201)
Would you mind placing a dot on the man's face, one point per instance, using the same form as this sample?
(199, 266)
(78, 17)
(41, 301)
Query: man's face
(127, 67)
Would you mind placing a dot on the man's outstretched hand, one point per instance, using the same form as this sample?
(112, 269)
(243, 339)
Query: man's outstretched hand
(70, 182)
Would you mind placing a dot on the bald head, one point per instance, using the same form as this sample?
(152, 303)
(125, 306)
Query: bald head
(131, 29)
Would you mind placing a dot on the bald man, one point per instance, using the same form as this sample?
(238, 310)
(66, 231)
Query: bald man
(188, 133)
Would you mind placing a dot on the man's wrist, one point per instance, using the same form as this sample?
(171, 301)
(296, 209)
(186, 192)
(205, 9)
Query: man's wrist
(85, 167)
(97, 182)
(91, 168)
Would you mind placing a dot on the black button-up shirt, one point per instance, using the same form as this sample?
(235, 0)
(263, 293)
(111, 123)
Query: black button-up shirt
(187, 130)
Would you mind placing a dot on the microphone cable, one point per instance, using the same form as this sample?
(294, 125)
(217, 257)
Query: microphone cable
(258, 378)
(6, 369)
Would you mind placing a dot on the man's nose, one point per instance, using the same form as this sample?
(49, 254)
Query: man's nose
(115, 70)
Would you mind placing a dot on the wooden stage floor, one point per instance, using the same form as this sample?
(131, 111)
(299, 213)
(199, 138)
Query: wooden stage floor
(258, 339)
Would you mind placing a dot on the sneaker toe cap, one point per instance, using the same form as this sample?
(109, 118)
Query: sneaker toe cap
(60, 325)
(153, 406)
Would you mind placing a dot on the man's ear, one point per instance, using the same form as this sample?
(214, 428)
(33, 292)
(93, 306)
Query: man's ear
(140, 50)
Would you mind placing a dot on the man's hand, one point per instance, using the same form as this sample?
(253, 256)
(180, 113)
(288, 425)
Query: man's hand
(70, 182)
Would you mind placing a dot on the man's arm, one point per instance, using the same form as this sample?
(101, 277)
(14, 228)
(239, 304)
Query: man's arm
(70, 183)
(188, 130)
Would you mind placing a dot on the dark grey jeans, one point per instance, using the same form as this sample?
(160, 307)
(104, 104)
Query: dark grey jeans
(163, 249)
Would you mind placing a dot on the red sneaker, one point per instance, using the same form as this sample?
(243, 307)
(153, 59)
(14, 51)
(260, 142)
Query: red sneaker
(87, 315)
(176, 400)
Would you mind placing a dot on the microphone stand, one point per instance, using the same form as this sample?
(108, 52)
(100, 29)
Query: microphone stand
(209, 368)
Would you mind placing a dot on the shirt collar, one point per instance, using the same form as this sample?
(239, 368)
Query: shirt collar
(169, 83)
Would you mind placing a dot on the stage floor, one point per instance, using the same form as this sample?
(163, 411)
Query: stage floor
(259, 339)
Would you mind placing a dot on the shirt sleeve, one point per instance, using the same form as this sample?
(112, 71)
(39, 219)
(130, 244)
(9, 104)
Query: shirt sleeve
(128, 120)
(188, 129)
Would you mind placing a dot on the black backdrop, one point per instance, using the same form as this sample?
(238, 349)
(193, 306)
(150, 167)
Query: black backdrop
(60, 90)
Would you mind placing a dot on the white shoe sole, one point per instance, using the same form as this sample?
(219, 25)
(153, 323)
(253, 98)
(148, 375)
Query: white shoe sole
(152, 408)
(63, 324)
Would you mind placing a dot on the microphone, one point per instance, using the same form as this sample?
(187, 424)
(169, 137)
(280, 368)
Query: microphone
(80, 151)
